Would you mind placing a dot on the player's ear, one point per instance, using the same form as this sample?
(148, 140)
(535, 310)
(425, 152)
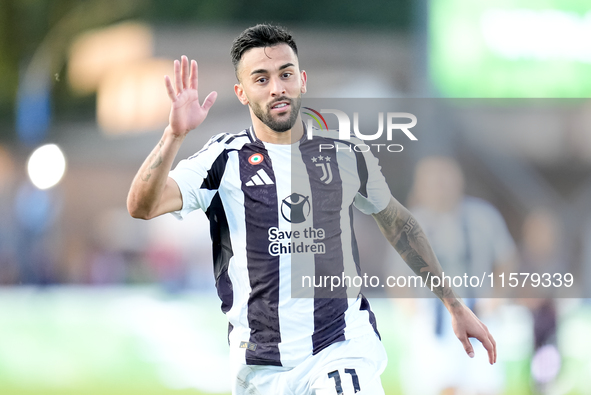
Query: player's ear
(304, 78)
(239, 91)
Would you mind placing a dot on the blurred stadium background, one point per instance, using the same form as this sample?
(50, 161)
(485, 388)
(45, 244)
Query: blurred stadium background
(94, 302)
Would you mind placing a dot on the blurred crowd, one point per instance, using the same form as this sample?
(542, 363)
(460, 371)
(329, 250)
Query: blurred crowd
(39, 247)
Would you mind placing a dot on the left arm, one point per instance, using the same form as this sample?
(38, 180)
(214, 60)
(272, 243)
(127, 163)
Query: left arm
(404, 233)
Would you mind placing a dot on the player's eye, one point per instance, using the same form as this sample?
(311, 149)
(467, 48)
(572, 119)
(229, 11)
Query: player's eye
(286, 75)
(261, 80)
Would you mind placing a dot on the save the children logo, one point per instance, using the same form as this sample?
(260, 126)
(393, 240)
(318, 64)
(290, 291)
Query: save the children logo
(301, 239)
(295, 208)
(392, 121)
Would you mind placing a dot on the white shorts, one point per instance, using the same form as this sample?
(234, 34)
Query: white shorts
(350, 367)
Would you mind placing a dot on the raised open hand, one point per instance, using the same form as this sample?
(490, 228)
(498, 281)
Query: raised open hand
(186, 113)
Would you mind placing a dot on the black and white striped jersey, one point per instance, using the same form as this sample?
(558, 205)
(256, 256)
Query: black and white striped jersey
(277, 213)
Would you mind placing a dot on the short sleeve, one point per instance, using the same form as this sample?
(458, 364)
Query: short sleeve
(374, 194)
(195, 178)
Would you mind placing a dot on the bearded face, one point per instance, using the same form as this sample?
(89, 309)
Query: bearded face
(272, 116)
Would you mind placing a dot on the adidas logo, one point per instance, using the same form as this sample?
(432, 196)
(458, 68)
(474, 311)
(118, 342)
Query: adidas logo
(261, 178)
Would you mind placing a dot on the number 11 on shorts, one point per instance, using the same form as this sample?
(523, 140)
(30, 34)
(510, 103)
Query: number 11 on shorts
(337, 380)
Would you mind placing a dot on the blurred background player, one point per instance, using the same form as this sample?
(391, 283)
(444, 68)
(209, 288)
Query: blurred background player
(469, 236)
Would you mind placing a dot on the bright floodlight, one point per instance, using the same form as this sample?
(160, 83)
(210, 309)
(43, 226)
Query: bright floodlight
(46, 166)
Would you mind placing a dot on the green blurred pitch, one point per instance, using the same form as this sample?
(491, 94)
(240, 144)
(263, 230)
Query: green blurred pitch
(98, 390)
(139, 341)
(93, 341)
(463, 62)
(109, 341)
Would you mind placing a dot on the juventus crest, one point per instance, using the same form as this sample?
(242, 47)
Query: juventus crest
(323, 162)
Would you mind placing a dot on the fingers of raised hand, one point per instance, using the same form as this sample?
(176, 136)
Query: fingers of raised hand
(194, 80)
(169, 88)
(185, 71)
(209, 100)
(185, 77)
(177, 77)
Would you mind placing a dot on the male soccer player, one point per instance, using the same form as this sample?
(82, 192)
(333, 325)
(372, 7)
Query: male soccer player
(258, 188)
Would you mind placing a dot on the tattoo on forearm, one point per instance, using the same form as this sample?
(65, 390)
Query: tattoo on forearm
(412, 232)
(388, 215)
(406, 235)
(156, 160)
(410, 224)
(412, 257)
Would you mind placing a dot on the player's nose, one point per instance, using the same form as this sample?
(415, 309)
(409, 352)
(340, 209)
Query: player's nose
(277, 87)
